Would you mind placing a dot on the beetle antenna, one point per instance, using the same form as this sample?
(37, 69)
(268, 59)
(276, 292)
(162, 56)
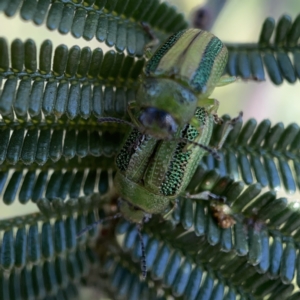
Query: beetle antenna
(143, 257)
(116, 120)
(212, 151)
(92, 225)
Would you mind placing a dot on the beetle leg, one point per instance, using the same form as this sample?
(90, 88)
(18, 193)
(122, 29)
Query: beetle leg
(96, 223)
(218, 120)
(210, 150)
(228, 126)
(143, 257)
(210, 104)
(154, 41)
(226, 79)
(115, 120)
(131, 106)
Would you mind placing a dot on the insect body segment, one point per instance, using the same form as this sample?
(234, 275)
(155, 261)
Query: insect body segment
(134, 156)
(185, 159)
(174, 103)
(212, 61)
(193, 57)
(153, 63)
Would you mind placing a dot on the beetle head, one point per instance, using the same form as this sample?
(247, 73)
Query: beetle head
(163, 105)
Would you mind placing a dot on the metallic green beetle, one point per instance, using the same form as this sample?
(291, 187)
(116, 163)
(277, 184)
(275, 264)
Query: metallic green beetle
(179, 77)
(153, 173)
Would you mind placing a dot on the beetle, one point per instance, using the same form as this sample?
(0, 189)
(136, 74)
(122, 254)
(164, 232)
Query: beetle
(153, 173)
(177, 78)
(172, 119)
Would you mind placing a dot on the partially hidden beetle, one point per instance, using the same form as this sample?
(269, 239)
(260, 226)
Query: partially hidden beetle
(172, 119)
(178, 77)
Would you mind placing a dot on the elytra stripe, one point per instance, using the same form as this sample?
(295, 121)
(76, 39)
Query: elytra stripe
(203, 72)
(196, 36)
(159, 54)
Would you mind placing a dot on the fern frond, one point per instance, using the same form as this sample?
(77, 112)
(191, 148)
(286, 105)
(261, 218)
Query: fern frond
(266, 229)
(248, 60)
(183, 264)
(265, 235)
(81, 82)
(41, 257)
(115, 22)
(260, 153)
(34, 145)
(68, 179)
(245, 60)
(265, 232)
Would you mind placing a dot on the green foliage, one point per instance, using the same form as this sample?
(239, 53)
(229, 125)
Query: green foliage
(41, 256)
(54, 153)
(72, 87)
(260, 153)
(95, 19)
(247, 60)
